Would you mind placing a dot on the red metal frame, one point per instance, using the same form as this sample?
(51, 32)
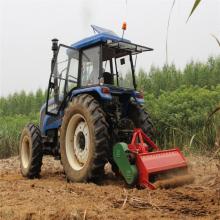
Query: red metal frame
(153, 162)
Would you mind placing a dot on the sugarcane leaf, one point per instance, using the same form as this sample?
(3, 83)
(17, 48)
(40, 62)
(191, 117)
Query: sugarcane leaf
(196, 3)
(168, 25)
(217, 40)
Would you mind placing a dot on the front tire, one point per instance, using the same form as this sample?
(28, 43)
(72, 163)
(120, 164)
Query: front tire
(84, 140)
(30, 151)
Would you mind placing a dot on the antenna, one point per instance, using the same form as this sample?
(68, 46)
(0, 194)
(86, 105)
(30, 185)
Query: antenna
(124, 24)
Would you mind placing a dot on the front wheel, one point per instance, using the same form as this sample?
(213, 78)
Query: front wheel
(84, 140)
(30, 151)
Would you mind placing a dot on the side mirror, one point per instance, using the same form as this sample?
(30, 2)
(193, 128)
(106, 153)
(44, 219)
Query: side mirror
(122, 61)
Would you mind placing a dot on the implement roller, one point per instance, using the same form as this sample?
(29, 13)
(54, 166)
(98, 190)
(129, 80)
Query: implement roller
(142, 163)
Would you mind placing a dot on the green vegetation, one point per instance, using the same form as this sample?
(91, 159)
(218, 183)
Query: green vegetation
(196, 3)
(181, 117)
(10, 129)
(22, 103)
(15, 112)
(179, 103)
(169, 78)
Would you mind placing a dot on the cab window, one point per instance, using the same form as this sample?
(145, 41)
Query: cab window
(90, 67)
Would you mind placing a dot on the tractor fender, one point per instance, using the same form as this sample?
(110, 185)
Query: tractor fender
(48, 122)
(97, 90)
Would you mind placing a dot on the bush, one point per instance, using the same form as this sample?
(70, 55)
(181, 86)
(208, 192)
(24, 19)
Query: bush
(181, 116)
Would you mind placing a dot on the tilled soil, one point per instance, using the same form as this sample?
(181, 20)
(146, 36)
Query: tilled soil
(52, 197)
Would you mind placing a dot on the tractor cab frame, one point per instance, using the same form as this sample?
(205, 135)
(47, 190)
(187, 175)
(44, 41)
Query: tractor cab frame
(97, 61)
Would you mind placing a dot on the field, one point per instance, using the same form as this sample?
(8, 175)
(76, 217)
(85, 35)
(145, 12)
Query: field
(51, 197)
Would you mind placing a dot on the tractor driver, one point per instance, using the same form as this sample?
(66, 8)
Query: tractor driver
(94, 77)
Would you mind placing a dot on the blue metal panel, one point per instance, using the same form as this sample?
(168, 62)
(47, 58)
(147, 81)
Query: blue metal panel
(95, 89)
(102, 37)
(55, 124)
(48, 121)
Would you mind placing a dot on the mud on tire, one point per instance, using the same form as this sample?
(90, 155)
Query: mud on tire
(84, 140)
(30, 151)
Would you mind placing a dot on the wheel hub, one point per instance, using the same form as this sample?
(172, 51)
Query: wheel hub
(81, 142)
(77, 142)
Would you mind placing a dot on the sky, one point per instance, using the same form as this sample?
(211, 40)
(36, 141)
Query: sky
(27, 27)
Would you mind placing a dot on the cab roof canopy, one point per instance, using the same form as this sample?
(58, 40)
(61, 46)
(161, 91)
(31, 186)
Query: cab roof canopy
(111, 39)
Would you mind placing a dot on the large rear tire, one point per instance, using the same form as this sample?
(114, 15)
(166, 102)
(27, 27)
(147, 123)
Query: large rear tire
(30, 151)
(141, 119)
(84, 140)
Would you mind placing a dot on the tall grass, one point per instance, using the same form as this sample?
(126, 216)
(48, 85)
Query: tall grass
(181, 117)
(16, 111)
(10, 130)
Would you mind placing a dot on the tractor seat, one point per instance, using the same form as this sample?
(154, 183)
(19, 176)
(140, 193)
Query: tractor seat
(108, 78)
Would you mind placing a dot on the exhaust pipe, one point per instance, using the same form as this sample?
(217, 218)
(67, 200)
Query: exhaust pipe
(54, 69)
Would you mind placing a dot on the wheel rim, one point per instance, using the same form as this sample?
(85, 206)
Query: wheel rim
(25, 152)
(77, 142)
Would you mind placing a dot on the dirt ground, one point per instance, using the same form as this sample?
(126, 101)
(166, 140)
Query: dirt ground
(51, 197)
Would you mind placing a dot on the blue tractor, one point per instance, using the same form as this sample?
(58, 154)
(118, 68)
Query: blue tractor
(92, 103)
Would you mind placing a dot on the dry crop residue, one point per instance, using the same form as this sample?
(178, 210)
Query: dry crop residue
(51, 197)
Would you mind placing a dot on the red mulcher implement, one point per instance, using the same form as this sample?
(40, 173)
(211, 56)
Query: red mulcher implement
(140, 166)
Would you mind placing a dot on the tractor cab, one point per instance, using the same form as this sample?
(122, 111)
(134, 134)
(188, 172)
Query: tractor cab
(108, 62)
(104, 60)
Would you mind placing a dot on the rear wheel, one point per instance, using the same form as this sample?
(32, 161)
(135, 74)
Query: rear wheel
(141, 119)
(84, 140)
(30, 151)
